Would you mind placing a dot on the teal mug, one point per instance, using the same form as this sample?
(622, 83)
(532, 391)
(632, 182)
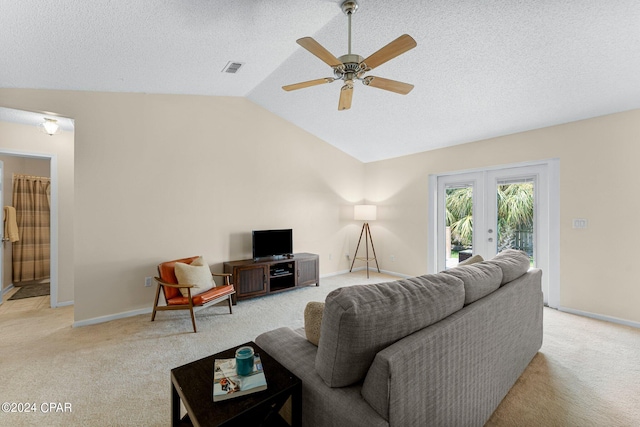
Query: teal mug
(244, 360)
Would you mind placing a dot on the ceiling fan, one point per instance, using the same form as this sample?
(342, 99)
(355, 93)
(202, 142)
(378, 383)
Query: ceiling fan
(352, 67)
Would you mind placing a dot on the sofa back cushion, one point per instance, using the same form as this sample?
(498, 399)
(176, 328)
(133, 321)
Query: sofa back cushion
(480, 279)
(361, 320)
(512, 262)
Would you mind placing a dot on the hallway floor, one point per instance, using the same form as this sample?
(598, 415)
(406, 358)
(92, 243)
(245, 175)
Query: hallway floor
(25, 304)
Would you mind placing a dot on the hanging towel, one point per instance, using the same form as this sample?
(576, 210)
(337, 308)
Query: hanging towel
(10, 224)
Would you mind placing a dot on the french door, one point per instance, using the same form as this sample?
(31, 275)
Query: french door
(487, 211)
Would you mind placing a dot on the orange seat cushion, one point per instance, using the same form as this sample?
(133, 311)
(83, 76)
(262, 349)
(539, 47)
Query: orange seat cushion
(202, 298)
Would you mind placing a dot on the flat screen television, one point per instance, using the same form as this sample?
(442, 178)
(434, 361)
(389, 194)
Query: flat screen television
(269, 243)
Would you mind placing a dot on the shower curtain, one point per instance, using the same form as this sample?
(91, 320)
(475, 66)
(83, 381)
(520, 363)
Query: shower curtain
(32, 200)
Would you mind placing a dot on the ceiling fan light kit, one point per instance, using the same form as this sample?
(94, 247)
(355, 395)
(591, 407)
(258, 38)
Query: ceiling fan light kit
(351, 67)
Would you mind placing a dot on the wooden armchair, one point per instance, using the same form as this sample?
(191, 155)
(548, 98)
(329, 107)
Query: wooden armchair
(175, 299)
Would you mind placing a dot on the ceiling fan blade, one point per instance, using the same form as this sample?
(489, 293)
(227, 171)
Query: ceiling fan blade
(316, 48)
(386, 84)
(397, 47)
(309, 83)
(346, 94)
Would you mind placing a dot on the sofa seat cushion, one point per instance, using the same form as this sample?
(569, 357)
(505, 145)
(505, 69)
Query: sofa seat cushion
(480, 279)
(321, 406)
(361, 320)
(203, 298)
(514, 263)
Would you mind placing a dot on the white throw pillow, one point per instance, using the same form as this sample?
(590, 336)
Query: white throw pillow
(471, 260)
(197, 273)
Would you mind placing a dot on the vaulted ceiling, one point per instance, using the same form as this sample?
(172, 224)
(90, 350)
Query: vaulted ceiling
(481, 68)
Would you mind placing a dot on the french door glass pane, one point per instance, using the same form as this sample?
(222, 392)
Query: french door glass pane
(459, 223)
(515, 228)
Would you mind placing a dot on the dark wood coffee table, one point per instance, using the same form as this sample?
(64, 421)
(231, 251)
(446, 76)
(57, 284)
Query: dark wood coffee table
(193, 384)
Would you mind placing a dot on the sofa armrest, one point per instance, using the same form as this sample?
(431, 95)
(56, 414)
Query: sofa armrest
(456, 372)
(321, 405)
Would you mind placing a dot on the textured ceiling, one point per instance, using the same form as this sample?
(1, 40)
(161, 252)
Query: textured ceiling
(481, 68)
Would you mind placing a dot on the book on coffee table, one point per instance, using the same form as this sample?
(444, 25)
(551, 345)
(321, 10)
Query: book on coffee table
(228, 384)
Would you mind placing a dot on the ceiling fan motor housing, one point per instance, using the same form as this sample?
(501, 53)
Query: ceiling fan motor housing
(350, 67)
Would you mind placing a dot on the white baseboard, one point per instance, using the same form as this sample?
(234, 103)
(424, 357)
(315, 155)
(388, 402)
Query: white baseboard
(600, 317)
(108, 318)
(64, 303)
(4, 291)
(390, 273)
(393, 273)
(335, 273)
(102, 319)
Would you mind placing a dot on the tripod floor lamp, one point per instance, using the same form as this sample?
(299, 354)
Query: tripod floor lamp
(365, 213)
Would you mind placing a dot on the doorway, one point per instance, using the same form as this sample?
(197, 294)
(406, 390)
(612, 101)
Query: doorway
(25, 252)
(21, 139)
(483, 212)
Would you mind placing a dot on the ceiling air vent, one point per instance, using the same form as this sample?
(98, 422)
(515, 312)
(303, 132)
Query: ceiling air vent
(232, 67)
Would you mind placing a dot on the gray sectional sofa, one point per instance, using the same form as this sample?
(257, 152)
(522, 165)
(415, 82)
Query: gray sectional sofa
(436, 350)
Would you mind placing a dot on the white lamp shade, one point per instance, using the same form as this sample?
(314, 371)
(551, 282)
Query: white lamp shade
(364, 212)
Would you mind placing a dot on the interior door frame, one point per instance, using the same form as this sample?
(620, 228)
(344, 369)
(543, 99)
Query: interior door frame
(547, 246)
(53, 255)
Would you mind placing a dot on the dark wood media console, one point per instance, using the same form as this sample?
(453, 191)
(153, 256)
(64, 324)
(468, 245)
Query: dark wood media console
(269, 275)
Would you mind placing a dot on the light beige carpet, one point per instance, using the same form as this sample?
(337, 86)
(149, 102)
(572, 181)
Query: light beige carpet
(117, 373)
(587, 373)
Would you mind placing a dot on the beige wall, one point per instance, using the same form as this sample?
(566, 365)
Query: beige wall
(598, 161)
(164, 176)
(16, 165)
(29, 139)
(158, 177)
